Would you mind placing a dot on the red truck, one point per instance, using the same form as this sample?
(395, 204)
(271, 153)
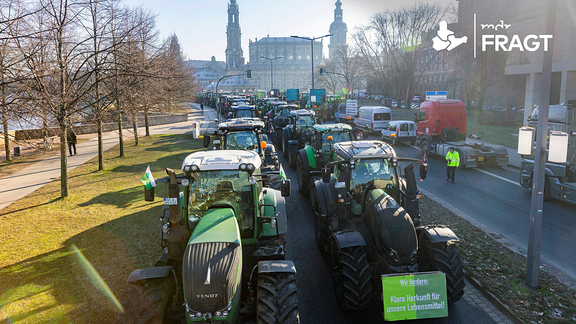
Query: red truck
(442, 124)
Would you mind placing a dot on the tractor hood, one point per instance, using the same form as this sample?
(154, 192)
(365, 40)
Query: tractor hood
(212, 264)
(395, 236)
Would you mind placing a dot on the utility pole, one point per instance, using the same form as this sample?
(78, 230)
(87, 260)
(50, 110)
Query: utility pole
(271, 71)
(312, 39)
(537, 202)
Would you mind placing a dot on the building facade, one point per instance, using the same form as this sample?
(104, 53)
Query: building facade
(529, 18)
(292, 71)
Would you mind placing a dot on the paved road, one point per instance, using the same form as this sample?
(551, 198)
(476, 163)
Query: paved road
(317, 301)
(494, 197)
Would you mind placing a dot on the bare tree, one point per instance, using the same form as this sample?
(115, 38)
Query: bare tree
(391, 46)
(59, 70)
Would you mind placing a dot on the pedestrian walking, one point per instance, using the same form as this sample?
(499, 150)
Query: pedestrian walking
(202, 106)
(71, 138)
(453, 161)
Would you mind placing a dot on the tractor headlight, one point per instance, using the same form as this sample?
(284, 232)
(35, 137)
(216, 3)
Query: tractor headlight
(250, 166)
(194, 168)
(242, 166)
(187, 168)
(224, 311)
(185, 182)
(252, 180)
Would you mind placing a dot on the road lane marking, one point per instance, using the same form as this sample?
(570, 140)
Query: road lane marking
(499, 177)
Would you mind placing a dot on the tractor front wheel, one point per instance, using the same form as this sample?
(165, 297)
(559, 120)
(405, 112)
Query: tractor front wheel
(351, 277)
(302, 175)
(445, 257)
(277, 299)
(146, 301)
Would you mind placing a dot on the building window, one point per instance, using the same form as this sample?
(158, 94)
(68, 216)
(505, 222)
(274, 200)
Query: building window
(307, 57)
(299, 57)
(290, 57)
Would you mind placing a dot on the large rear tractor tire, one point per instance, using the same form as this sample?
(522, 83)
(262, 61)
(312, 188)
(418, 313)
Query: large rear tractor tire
(146, 301)
(351, 277)
(302, 176)
(445, 257)
(277, 299)
(292, 155)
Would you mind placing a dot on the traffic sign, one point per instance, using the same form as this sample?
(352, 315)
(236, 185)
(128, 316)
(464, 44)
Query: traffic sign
(436, 95)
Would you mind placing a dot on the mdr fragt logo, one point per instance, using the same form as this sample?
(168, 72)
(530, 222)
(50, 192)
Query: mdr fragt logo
(490, 36)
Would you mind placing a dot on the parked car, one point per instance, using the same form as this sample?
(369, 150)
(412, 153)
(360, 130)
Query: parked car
(373, 118)
(399, 130)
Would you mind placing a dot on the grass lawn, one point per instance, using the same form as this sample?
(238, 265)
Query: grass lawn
(501, 135)
(41, 279)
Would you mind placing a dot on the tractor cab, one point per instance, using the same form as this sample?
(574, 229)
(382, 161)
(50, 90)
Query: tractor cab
(364, 165)
(246, 134)
(243, 111)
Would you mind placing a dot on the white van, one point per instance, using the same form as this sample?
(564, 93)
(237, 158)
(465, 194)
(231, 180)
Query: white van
(400, 130)
(373, 118)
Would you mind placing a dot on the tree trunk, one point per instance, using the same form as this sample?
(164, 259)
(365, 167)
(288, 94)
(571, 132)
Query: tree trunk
(120, 136)
(100, 144)
(146, 124)
(63, 160)
(135, 128)
(5, 126)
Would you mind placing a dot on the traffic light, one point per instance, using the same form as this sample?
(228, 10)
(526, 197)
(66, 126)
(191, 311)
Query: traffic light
(321, 71)
(248, 74)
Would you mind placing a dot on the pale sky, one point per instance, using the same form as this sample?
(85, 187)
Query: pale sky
(200, 25)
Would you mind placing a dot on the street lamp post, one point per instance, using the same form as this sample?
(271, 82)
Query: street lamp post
(271, 73)
(312, 39)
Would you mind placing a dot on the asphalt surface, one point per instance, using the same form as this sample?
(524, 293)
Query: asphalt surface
(494, 197)
(316, 298)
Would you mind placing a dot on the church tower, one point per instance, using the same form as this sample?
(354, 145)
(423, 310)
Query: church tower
(234, 53)
(338, 30)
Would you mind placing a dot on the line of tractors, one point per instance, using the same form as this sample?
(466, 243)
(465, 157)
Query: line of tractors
(224, 223)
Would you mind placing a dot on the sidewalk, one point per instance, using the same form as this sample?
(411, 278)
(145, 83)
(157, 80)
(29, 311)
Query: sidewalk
(31, 178)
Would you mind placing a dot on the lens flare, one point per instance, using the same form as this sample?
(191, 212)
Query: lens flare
(95, 278)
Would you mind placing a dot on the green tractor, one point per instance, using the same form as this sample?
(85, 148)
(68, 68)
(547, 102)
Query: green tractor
(223, 248)
(281, 118)
(311, 159)
(246, 134)
(367, 217)
(297, 133)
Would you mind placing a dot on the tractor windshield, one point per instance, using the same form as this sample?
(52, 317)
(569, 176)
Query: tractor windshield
(228, 188)
(247, 140)
(337, 137)
(376, 172)
(305, 121)
(244, 113)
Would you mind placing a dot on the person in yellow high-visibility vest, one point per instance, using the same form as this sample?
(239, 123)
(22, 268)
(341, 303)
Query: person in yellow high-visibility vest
(453, 161)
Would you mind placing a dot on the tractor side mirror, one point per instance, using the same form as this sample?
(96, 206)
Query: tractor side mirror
(285, 188)
(206, 141)
(318, 144)
(326, 174)
(149, 194)
(423, 170)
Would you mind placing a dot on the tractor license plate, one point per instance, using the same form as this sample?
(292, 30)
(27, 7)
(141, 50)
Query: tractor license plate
(170, 201)
(480, 158)
(414, 295)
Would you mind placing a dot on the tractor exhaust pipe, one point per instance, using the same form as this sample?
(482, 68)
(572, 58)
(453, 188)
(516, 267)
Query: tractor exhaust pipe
(179, 234)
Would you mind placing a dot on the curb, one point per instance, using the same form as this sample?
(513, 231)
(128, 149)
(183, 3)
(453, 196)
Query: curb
(493, 299)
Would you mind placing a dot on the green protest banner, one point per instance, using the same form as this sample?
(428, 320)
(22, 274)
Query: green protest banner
(414, 296)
